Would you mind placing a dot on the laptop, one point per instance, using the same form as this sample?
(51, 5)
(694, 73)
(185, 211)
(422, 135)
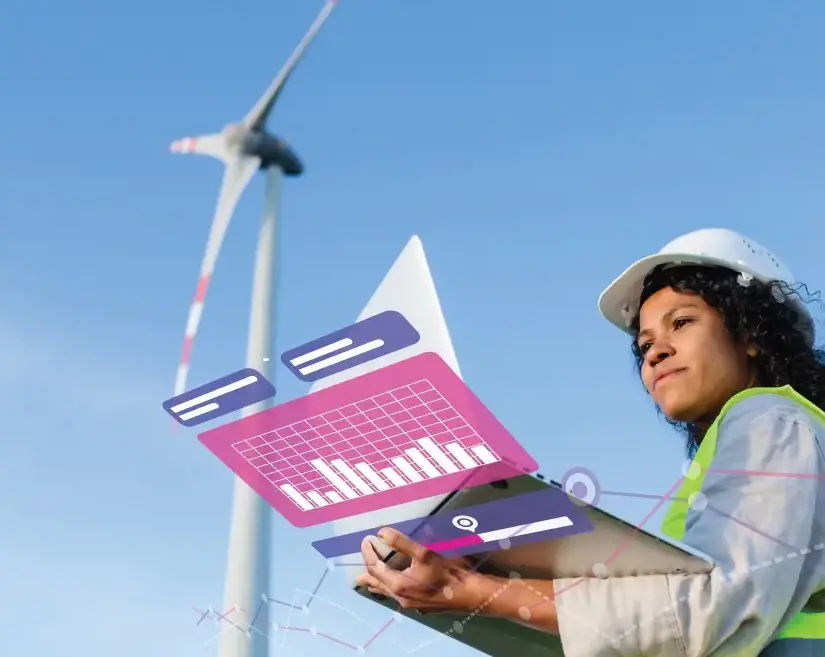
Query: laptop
(636, 553)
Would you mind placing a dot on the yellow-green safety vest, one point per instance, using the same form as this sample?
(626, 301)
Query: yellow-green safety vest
(802, 626)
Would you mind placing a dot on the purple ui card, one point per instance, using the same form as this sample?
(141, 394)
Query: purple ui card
(537, 516)
(219, 397)
(366, 340)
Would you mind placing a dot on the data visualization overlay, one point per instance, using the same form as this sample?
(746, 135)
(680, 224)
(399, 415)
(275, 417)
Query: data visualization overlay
(404, 432)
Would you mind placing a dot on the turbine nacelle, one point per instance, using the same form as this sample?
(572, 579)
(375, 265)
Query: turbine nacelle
(272, 151)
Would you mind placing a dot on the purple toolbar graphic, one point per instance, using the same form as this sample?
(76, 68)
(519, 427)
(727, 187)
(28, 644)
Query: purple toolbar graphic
(366, 340)
(219, 397)
(521, 519)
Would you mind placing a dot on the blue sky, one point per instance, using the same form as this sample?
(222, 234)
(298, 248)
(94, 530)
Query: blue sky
(536, 147)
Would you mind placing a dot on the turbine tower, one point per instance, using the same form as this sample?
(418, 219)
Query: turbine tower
(244, 148)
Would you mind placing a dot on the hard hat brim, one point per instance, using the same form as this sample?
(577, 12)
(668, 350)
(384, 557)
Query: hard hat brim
(625, 292)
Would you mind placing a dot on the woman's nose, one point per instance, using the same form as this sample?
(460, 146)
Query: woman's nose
(660, 350)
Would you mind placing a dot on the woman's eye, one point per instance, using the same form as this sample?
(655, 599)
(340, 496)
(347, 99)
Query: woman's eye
(644, 347)
(679, 323)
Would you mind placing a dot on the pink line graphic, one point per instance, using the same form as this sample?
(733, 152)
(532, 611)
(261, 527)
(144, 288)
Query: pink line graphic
(405, 432)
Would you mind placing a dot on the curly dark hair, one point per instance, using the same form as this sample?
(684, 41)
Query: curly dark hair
(756, 313)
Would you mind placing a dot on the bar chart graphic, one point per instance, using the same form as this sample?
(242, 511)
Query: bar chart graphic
(404, 432)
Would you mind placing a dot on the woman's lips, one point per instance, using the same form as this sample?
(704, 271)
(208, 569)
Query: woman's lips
(667, 376)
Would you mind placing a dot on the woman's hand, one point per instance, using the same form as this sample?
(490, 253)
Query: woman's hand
(431, 582)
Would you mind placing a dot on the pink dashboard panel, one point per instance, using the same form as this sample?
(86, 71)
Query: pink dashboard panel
(408, 431)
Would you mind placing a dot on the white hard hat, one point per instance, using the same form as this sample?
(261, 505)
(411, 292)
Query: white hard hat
(720, 247)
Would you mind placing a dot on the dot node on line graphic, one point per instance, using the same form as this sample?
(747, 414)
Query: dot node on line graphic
(581, 484)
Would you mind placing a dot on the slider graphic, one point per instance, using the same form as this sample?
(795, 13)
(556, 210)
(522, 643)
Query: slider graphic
(219, 397)
(363, 341)
(537, 516)
(470, 525)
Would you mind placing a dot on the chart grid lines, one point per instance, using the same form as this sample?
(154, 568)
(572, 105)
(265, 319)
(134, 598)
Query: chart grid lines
(406, 435)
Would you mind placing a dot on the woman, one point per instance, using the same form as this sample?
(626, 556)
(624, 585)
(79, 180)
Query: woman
(725, 348)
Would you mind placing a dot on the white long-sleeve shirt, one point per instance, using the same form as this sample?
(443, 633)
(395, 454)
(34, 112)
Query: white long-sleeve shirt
(764, 529)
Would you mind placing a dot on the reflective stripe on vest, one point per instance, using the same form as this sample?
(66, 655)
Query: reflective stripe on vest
(803, 625)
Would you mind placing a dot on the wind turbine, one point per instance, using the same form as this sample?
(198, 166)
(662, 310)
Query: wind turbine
(246, 147)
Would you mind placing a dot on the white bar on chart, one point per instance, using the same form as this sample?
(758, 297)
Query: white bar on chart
(421, 461)
(438, 456)
(484, 454)
(461, 455)
(407, 469)
(392, 477)
(295, 495)
(319, 501)
(334, 479)
(372, 476)
(351, 476)
(334, 497)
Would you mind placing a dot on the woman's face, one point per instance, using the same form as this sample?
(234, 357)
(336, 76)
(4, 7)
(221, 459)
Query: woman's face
(692, 365)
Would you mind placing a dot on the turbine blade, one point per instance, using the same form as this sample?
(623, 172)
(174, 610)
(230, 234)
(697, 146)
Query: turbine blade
(258, 115)
(212, 145)
(236, 177)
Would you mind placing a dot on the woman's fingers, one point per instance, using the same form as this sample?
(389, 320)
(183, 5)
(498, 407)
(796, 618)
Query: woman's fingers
(365, 579)
(397, 541)
(392, 580)
(372, 584)
(376, 587)
(424, 580)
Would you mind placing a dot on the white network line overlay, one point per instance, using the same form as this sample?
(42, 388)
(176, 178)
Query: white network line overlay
(226, 624)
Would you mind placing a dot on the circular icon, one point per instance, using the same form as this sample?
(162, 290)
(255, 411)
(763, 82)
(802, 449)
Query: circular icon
(691, 469)
(600, 570)
(581, 484)
(467, 523)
